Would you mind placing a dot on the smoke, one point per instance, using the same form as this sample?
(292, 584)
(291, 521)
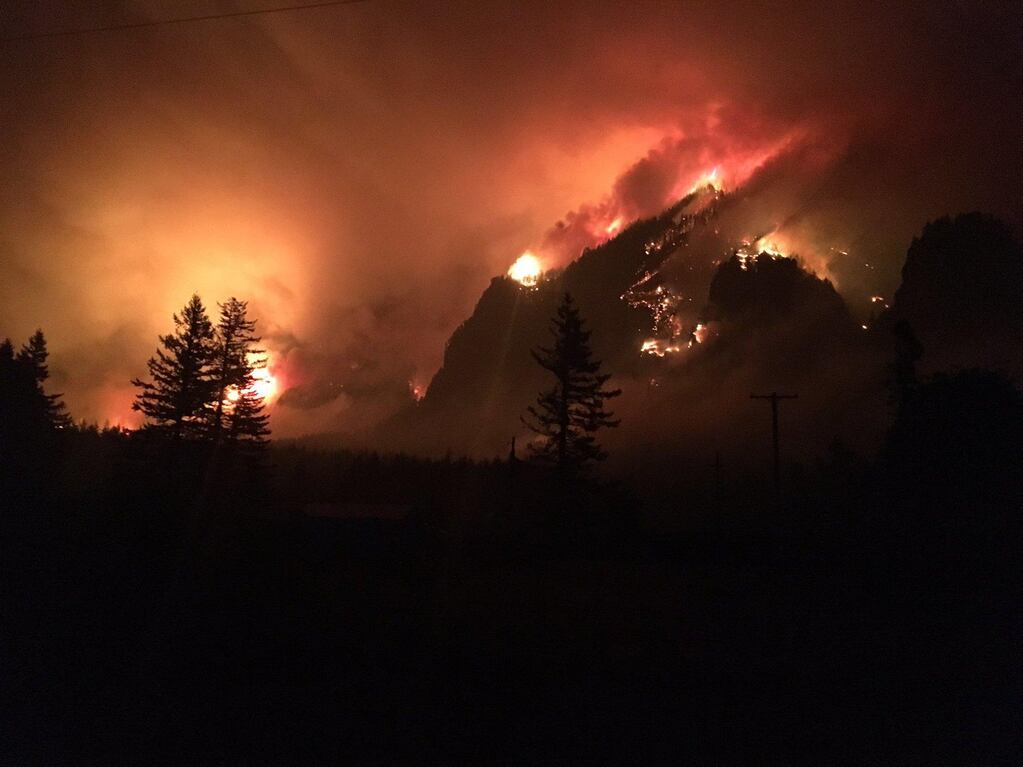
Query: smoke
(358, 174)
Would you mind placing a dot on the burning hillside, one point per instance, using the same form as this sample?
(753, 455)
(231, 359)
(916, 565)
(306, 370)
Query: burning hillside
(660, 288)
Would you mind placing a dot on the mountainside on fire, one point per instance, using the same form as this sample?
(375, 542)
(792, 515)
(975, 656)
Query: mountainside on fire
(665, 297)
(691, 315)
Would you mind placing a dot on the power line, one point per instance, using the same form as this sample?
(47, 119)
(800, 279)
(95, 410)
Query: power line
(180, 20)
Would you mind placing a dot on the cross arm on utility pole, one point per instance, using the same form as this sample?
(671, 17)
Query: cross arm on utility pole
(775, 397)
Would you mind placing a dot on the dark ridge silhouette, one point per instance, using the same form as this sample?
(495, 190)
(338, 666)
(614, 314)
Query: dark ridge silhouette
(765, 291)
(962, 293)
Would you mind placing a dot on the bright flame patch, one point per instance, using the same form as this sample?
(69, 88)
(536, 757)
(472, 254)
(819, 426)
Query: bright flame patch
(264, 384)
(526, 270)
(711, 179)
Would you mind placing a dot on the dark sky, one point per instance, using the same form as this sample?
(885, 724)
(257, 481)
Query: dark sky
(359, 173)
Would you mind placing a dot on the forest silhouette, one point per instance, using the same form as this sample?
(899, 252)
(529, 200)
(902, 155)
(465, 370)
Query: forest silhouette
(193, 592)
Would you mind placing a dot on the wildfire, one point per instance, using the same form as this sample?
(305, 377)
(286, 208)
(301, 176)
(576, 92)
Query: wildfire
(264, 385)
(710, 179)
(750, 249)
(659, 347)
(417, 390)
(614, 226)
(526, 270)
(766, 245)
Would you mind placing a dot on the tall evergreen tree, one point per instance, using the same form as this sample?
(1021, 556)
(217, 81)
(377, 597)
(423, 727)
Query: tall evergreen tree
(236, 416)
(176, 400)
(247, 423)
(568, 415)
(33, 356)
(26, 410)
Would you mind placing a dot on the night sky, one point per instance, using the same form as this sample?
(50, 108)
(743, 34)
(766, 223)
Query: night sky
(359, 173)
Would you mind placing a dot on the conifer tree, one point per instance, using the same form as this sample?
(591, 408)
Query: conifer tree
(236, 415)
(568, 415)
(26, 410)
(33, 356)
(176, 401)
(247, 425)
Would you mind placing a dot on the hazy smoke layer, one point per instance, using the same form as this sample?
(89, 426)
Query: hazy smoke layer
(359, 173)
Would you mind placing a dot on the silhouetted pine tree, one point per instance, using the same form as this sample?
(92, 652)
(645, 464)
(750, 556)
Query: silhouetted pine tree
(568, 415)
(25, 407)
(29, 417)
(237, 414)
(247, 424)
(176, 401)
(47, 408)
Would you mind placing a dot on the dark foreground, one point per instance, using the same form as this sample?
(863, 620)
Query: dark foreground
(295, 640)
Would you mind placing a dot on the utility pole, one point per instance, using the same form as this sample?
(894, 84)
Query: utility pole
(717, 480)
(774, 397)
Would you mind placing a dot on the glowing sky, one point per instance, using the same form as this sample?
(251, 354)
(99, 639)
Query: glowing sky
(359, 173)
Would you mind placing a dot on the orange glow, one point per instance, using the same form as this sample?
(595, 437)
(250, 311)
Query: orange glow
(770, 246)
(417, 390)
(526, 270)
(659, 347)
(711, 179)
(264, 384)
(614, 226)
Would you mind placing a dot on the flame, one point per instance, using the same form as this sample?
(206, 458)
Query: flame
(768, 244)
(614, 226)
(659, 347)
(710, 178)
(417, 390)
(264, 384)
(526, 270)
(770, 247)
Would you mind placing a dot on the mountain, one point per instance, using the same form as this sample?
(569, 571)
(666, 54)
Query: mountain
(962, 294)
(693, 310)
(666, 294)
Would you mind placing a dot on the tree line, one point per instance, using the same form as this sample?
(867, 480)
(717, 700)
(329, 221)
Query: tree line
(203, 385)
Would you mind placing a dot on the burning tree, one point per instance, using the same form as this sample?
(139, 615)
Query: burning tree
(568, 415)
